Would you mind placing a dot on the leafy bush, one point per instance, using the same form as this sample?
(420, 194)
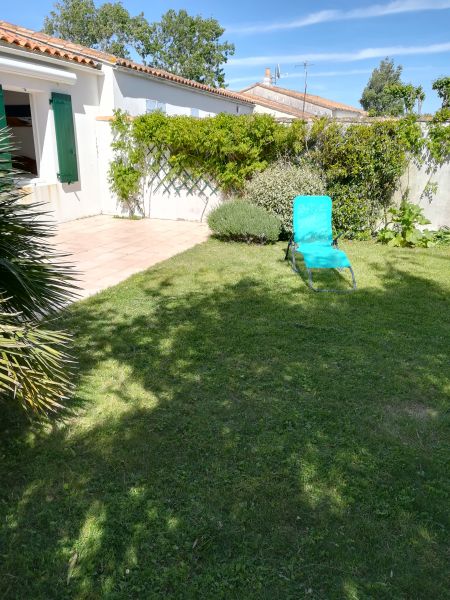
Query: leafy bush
(226, 149)
(124, 182)
(34, 281)
(441, 237)
(241, 221)
(351, 211)
(275, 188)
(404, 232)
(362, 163)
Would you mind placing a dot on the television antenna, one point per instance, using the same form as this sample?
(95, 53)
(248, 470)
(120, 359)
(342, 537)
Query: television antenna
(277, 75)
(305, 65)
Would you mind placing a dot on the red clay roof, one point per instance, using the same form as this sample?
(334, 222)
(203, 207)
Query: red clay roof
(285, 108)
(44, 44)
(41, 43)
(299, 95)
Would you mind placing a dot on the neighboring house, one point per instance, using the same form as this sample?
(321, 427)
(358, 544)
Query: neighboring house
(282, 102)
(281, 112)
(56, 97)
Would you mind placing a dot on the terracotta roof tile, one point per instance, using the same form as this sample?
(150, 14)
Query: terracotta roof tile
(41, 43)
(44, 44)
(324, 102)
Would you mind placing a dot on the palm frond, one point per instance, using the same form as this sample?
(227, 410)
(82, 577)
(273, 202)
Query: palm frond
(35, 280)
(34, 364)
(34, 276)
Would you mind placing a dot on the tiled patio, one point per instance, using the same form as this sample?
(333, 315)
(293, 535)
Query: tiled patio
(106, 250)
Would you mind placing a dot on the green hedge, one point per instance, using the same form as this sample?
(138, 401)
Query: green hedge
(241, 221)
(361, 164)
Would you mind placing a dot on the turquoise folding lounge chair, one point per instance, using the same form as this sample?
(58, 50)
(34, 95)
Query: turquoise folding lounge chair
(312, 237)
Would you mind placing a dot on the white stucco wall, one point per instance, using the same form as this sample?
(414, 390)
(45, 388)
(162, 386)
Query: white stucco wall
(131, 90)
(156, 203)
(297, 103)
(437, 208)
(346, 114)
(81, 198)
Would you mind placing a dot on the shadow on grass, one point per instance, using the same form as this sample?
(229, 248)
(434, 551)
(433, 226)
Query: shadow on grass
(264, 445)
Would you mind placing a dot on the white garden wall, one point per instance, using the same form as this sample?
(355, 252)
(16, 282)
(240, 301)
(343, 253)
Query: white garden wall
(436, 208)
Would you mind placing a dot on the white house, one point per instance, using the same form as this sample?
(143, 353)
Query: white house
(282, 102)
(56, 97)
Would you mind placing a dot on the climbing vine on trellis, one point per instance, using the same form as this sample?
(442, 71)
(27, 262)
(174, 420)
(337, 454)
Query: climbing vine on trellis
(362, 162)
(162, 177)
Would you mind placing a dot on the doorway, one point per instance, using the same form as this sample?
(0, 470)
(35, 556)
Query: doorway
(19, 120)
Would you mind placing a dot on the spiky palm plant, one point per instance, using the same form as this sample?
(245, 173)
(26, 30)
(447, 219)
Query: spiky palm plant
(33, 364)
(35, 281)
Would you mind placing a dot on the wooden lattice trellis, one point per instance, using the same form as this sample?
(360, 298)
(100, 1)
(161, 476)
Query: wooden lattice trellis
(162, 178)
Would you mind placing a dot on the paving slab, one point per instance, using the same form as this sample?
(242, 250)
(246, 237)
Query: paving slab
(106, 250)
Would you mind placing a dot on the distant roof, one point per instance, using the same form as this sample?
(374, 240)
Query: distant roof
(285, 108)
(40, 43)
(325, 102)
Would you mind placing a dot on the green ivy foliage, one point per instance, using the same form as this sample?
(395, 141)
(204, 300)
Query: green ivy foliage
(226, 149)
(362, 163)
(438, 143)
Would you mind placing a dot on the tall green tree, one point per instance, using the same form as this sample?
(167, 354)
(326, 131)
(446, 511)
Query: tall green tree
(185, 45)
(409, 94)
(109, 28)
(442, 87)
(188, 46)
(73, 20)
(376, 98)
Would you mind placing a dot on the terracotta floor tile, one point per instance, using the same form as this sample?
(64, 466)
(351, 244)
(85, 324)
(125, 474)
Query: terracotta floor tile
(106, 251)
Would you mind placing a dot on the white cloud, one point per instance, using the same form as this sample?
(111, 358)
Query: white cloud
(365, 53)
(301, 75)
(325, 16)
(341, 73)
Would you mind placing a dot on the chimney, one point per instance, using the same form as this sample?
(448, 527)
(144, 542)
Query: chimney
(267, 77)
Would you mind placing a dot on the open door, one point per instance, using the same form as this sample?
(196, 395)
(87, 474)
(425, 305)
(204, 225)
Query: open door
(5, 157)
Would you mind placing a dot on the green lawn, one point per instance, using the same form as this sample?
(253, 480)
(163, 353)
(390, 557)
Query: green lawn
(237, 436)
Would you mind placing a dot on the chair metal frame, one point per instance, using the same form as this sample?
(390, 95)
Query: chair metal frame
(293, 246)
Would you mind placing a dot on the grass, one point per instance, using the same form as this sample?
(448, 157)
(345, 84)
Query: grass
(236, 436)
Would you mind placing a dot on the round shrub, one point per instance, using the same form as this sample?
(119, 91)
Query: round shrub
(241, 221)
(275, 188)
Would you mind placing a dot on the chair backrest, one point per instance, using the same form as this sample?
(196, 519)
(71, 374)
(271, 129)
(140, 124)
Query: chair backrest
(312, 219)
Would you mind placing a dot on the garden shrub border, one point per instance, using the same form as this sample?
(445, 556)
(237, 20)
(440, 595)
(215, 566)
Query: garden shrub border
(362, 162)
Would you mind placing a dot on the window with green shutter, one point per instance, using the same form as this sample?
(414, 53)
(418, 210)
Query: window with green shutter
(5, 157)
(65, 137)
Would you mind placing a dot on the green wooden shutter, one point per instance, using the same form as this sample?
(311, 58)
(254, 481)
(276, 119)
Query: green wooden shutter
(65, 137)
(5, 157)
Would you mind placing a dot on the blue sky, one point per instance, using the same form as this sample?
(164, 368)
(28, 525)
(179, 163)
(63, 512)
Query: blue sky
(344, 40)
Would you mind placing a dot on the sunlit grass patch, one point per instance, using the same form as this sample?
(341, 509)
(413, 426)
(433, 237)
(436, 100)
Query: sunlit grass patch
(235, 435)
